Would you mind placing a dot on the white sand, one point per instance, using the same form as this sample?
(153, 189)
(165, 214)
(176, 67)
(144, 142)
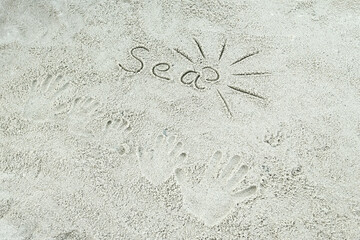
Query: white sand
(171, 143)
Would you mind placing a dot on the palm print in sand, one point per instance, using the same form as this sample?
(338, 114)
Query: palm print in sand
(82, 111)
(218, 192)
(157, 164)
(115, 134)
(41, 105)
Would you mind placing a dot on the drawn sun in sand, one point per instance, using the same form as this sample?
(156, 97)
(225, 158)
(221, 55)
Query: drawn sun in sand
(203, 73)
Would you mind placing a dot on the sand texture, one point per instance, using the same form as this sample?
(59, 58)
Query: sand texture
(179, 119)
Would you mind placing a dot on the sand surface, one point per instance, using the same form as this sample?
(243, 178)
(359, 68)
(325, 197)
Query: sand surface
(179, 119)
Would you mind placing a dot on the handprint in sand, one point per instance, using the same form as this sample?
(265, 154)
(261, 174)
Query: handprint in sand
(115, 134)
(158, 163)
(82, 111)
(218, 192)
(41, 105)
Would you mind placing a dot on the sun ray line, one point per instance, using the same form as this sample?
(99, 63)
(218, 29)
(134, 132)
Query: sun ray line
(246, 92)
(200, 48)
(251, 73)
(183, 54)
(222, 50)
(225, 103)
(244, 57)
